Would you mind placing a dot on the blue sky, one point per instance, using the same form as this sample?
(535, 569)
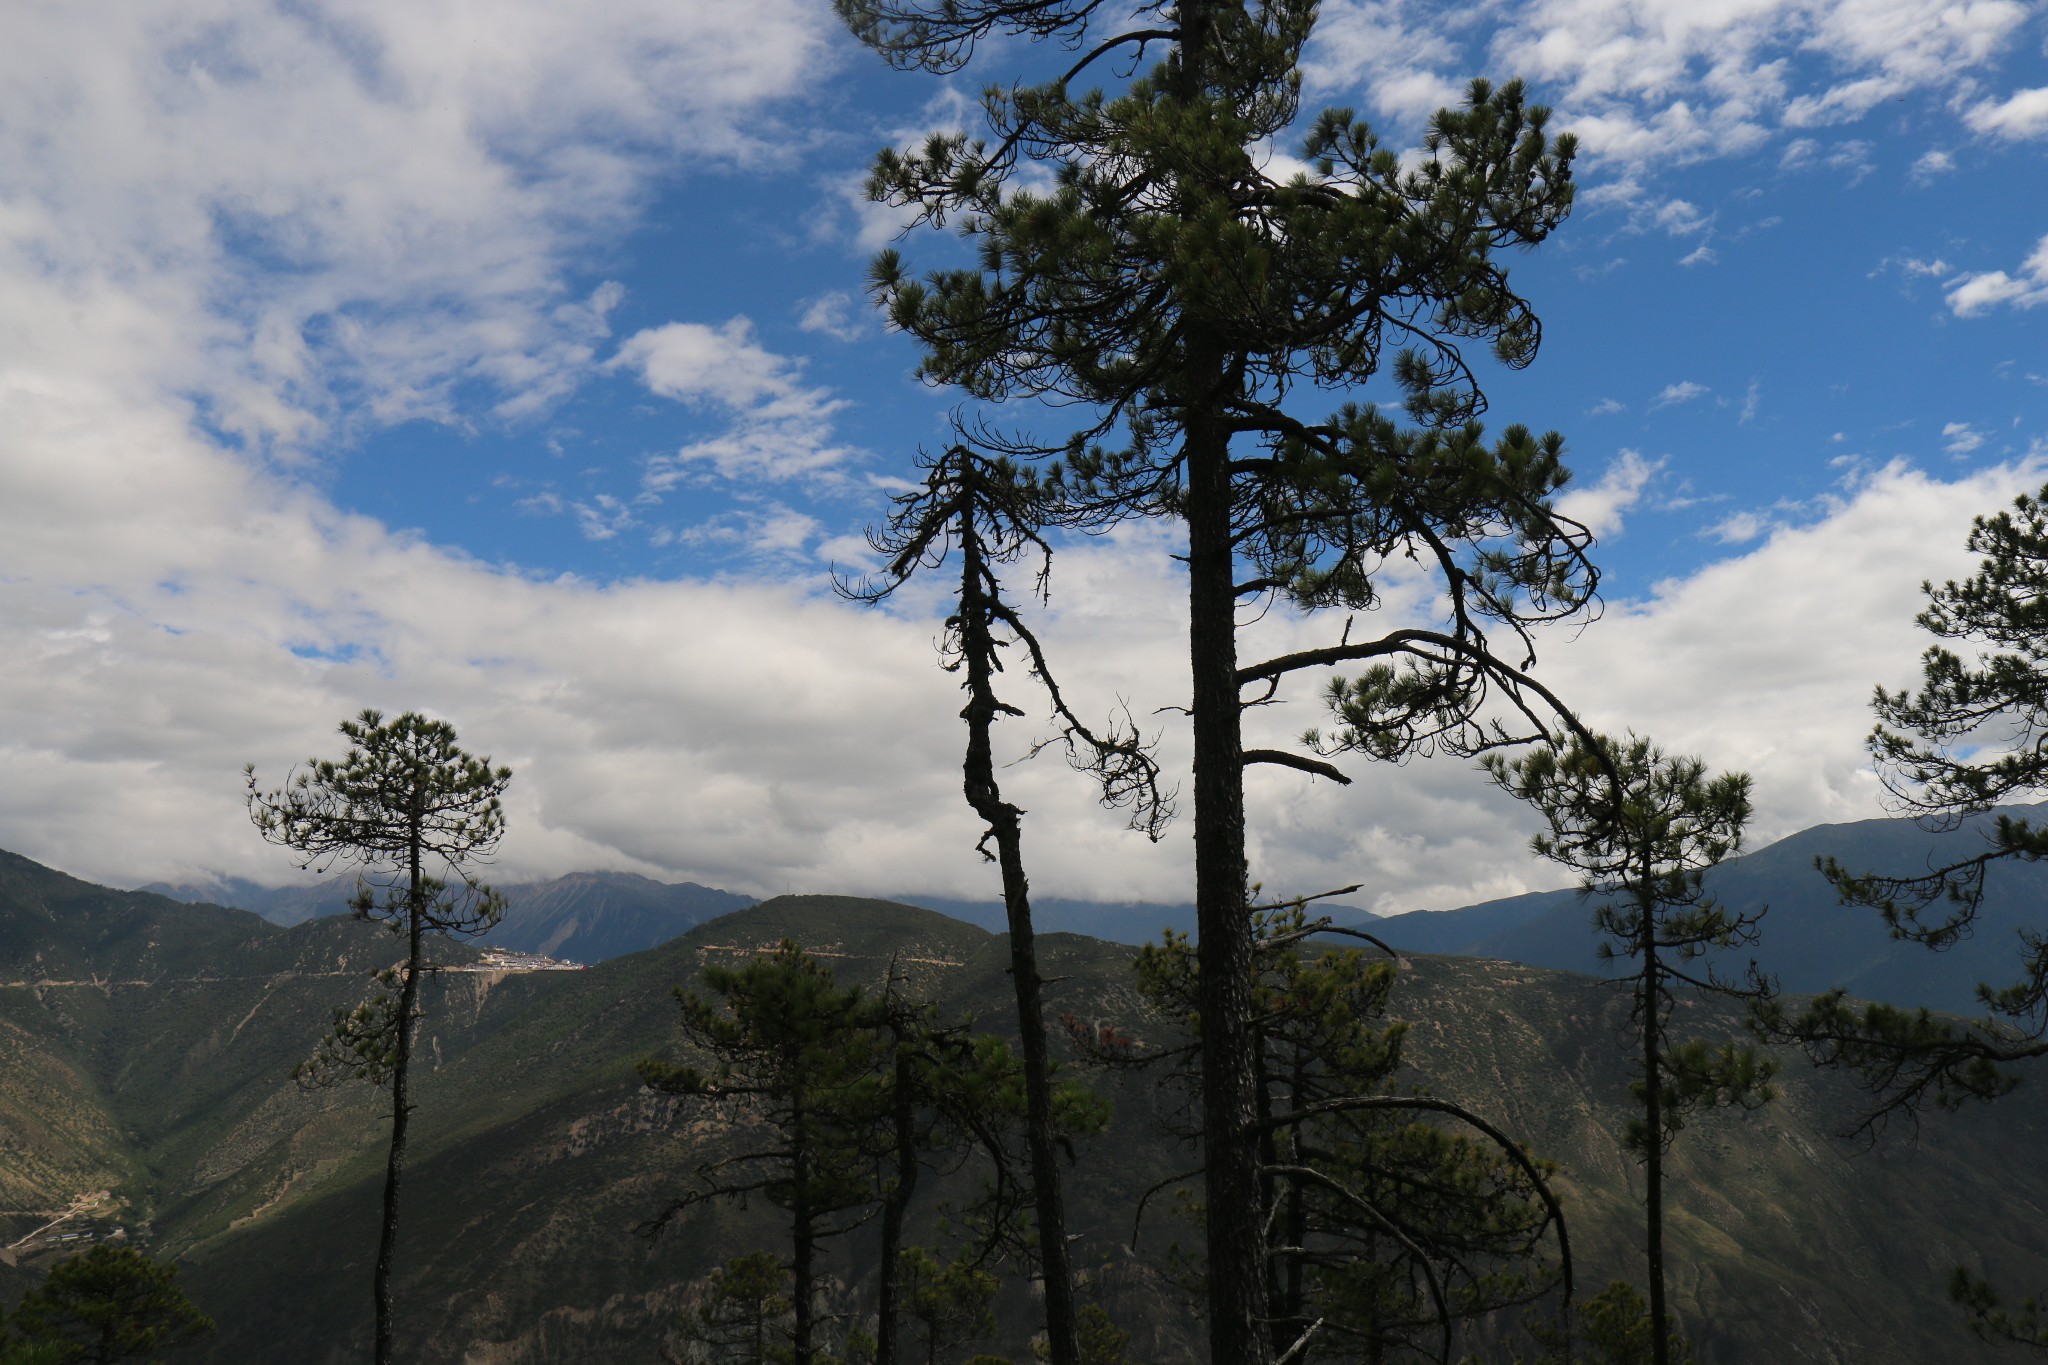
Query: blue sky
(513, 363)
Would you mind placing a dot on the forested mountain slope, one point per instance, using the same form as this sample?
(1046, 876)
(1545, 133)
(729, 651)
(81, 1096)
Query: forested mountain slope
(157, 1065)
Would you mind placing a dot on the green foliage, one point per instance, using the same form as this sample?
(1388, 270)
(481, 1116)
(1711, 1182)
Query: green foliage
(1641, 828)
(1102, 1341)
(404, 803)
(1974, 735)
(362, 1045)
(790, 1048)
(404, 792)
(838, 1097)
(1185, 303)
(108, 1304)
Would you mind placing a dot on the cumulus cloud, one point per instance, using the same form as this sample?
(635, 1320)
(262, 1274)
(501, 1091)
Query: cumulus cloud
(1601, 506)
(2021, 115)
(780, 428)
(1978, 292)
(836, 315)
(276, 222)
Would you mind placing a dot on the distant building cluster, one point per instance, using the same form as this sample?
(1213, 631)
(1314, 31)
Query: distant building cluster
(501, 960)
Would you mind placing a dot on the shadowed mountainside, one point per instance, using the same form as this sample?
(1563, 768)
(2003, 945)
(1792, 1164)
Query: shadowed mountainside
(1810, 940)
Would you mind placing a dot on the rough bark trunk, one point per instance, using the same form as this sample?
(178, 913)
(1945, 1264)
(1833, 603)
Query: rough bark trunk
(887, 1333)
(1653, 1116)
(802, 1236)
(401, 1104)
(1234, 1228)
(1005, 828)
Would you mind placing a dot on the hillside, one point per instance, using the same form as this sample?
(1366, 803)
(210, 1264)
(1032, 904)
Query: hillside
(538, 1152)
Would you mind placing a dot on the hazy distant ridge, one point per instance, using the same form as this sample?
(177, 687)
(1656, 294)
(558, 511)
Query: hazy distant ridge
(584, 916)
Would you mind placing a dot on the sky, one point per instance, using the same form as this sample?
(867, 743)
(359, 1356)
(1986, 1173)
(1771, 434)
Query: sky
(511, 361)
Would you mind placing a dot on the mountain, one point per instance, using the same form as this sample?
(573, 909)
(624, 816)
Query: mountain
(1811, 942)
(583, 917)
(1131, 922)
(592, 916)
(145, 1048)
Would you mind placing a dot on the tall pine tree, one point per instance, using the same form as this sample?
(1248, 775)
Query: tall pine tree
(404, 804)
(1641, 828)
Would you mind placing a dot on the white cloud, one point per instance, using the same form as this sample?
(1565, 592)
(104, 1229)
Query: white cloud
(1959, 438)
(1913, 265)
(309, 217)
(780, 428)
(1606, 407)
(603, 516)
(1681, 219)
(1739, 527)
(1752, 399)
(1933, 162)
(1601, 506)
(837, 315)
(1971, 294)
(1664, 82)
(2021, 115)
(1685, 391)
(1851, 156)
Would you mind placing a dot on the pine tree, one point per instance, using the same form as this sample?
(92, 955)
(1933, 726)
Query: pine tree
(789, 1048)
(1641, 828)
(103, 1306)
(1396, 1215)
(1186, 301)
(1974, 736)
(404, 803)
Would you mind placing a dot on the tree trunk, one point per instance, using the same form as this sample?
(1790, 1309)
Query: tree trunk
(401, 1103)
(887, 1332)
(802, 1237)
(1653, 1116)
(1235, 1229)
(977, 648)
